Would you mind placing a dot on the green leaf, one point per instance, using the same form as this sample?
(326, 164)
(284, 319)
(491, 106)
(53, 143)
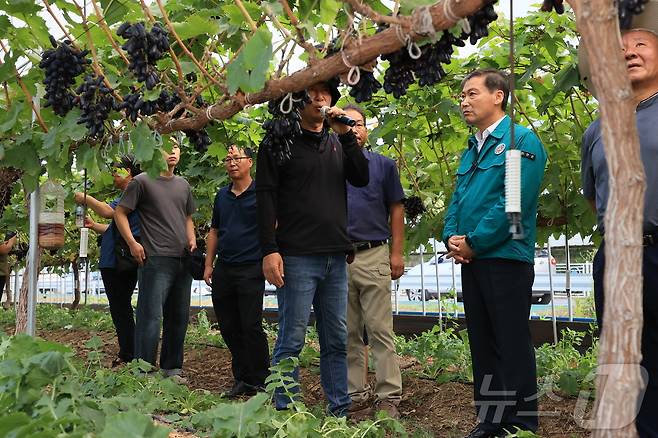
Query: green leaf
(10, 119)
(114, 10)
(328, 11)
(132, 425)
(5, 25)
(8, 69)
(21, 7)
(565, 79)
(143, 142)
(249, 70)
(195, 25)
(12, 422)
(235, 16)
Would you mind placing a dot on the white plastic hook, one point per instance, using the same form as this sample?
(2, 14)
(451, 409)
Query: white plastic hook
(286, 104)
(414, 50)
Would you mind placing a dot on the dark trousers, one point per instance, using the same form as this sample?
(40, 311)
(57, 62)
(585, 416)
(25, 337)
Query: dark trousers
(497, 295)
(647, 419)
(119, 288)
(3, 280)
(164, 297)
(237, 298)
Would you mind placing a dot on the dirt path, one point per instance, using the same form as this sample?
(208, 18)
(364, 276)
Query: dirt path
(444, 409)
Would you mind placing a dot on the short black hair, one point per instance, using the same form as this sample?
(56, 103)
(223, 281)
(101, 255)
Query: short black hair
(248, 152)
(494, 80)
(357, 108)
(128, 161)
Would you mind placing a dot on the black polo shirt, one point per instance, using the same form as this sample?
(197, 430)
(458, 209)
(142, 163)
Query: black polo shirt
(236, 222)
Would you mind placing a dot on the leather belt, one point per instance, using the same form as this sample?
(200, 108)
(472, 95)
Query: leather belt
(362, 246)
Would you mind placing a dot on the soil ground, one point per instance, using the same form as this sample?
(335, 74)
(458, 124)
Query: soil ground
(444, 410)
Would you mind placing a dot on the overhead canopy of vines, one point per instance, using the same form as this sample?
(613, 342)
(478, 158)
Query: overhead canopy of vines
(85, 81)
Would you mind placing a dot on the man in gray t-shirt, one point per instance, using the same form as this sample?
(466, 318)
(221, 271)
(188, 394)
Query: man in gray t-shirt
(164, 206)
(641, 53)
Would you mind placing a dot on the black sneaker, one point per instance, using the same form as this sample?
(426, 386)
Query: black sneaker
(480, 432)
(239, 389)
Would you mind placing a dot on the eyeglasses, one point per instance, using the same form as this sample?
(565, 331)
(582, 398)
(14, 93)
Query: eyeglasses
(229, 160)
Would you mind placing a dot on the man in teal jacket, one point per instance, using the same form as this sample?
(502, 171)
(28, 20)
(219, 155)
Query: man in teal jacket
(497, 271)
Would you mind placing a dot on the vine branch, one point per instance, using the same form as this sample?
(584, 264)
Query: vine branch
(106, 30)
(312, 51)
(371, 47)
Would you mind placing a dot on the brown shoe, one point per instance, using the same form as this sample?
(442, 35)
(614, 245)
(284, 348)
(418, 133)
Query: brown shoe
(361, 405)
(361, 415)
(388, 407)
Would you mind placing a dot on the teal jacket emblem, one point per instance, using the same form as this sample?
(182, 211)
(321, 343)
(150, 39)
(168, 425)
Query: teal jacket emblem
(477, 207)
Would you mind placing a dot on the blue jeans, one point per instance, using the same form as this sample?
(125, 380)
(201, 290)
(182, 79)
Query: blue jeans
(321, 281)
(164, 293)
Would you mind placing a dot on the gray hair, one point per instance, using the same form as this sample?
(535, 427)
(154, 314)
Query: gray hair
(641, 29)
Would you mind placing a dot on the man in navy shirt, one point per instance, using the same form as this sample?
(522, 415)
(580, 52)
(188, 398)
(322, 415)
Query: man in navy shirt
(237, 280)
(374, 214)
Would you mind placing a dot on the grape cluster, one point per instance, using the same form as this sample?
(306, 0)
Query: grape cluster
(144, 49)
(628, 8)
(281, 130)
(413, 209)
(398, 75)
(549, 5)
(366, 87)
(96, 101)
(136, 106)
(199, 139)
(62, 64)
(427, 68)
(479, 23)
(167, 102)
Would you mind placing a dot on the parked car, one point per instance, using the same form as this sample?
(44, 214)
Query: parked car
(437, 275)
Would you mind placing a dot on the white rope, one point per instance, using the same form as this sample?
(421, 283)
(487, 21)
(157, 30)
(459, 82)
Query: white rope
(209, 112)
(412, 48)
(423, 22)
(286, 104)
(447, 10)
(247, 100)
(354, 75)
(404, 39)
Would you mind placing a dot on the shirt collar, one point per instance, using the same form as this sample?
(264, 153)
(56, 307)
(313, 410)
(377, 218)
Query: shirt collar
(251, 188)
(647, 102)
(482, 136)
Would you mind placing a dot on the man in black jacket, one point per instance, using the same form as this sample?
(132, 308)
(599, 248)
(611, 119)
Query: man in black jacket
(302, 213)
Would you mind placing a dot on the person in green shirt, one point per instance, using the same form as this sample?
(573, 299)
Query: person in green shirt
(497, 271)
(5, 248)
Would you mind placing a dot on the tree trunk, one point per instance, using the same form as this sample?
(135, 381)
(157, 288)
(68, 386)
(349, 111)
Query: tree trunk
(76, 284)
(618, 378)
